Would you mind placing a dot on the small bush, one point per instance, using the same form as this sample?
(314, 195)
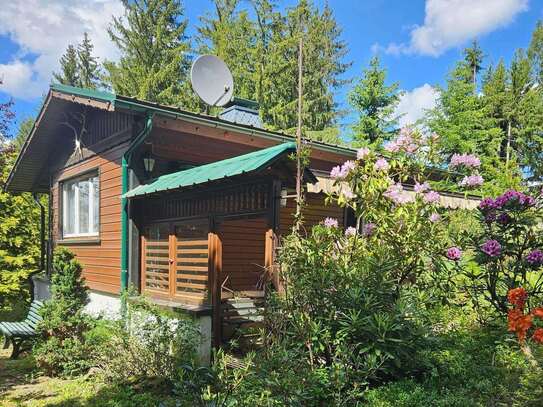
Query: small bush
(150, 346)
(64, 349)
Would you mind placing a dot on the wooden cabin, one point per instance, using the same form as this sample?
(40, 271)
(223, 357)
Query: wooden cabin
(187, 208)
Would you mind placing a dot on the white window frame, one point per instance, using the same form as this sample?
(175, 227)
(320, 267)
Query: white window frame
(92, 233)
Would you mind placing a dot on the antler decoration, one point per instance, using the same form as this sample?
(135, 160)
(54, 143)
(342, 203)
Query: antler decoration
(77, 122)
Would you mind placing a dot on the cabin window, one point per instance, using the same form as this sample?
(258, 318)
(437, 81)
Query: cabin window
(80, 206)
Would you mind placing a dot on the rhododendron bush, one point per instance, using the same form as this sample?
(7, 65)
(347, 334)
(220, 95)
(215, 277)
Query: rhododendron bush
(508, 251)
(406, 222)
(354, 300)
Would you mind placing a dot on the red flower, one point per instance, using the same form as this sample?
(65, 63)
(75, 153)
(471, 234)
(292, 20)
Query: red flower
(519, 323)
(517, 297)
(538, 335)
(538, 312)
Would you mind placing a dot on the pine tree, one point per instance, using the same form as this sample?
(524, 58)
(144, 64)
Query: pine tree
(474, 58)
(87, 64)
(375, 102)
(154, 62)
(69, 69)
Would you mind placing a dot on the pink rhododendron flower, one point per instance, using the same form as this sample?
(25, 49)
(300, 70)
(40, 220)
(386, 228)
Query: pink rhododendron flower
(419, 188)
(472, 181)
(347, 167)
(435, 217)
(454, 253)
(350, 231)
(381, 165)
(392, 147)
(465, 160)
(331, 223)
(362, 153)
(335, 173)
(368, 229)
(431, 197)
(347, 192)
(396, 193)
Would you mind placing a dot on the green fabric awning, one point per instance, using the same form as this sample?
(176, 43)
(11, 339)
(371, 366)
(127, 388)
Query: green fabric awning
(230, 167)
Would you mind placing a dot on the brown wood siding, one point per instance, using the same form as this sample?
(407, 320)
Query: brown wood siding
(101, 261)
(243, 250)
(315, 212)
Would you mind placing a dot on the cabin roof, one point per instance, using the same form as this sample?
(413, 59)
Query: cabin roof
(231, 167)
(29, 171)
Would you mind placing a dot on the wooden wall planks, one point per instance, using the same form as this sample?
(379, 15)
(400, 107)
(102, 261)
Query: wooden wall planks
(100, 259)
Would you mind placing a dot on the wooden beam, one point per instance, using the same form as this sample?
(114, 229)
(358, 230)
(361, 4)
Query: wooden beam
(237, 137)
(215, 278)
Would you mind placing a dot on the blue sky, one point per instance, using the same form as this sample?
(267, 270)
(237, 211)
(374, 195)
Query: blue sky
(418, 40)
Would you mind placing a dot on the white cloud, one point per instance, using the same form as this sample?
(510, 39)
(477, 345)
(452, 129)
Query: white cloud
(414, 104)
(43, 29)
(450, 23)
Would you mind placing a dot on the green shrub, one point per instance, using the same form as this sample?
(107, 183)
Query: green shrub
(64, 349)
(150, 346)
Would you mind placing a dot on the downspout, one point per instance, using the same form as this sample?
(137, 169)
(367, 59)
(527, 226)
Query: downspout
(124, 202)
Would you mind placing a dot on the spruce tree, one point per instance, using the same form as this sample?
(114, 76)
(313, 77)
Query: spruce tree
(69, 68)
(474, 58)
(464, 125)
(262, 53)
(535, 52)
(87, 64)
(154, 63)
(230, 34)
(374, 101)
(78, 66)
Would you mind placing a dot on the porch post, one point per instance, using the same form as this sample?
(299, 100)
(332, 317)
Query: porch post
(215, 280)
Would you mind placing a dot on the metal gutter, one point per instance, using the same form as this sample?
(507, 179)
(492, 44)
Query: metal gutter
(124, 202)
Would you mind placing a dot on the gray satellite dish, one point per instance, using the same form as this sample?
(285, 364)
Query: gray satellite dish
(211, 80)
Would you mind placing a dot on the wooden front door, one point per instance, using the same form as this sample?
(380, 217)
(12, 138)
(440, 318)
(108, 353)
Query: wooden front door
(175, 261)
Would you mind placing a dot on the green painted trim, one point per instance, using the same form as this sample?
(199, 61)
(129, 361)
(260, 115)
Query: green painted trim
(124, 202)
(83, 92)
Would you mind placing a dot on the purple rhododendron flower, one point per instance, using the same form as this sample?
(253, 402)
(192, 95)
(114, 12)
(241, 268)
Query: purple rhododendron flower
(504, 218)
(431, 197)
(362, 153)
(465, 160)
(472, 181)
(368, 229)
(350, 231)
(454, 253)
(487, 204)
(514, 198)
(331, 223)
(535, 257)
(419, 188)
(381, 165)
(492, 248)
(490, 217)
(347, 167)
(435, 217)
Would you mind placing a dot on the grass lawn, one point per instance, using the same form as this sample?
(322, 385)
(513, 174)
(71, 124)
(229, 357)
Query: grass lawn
(22, 385)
